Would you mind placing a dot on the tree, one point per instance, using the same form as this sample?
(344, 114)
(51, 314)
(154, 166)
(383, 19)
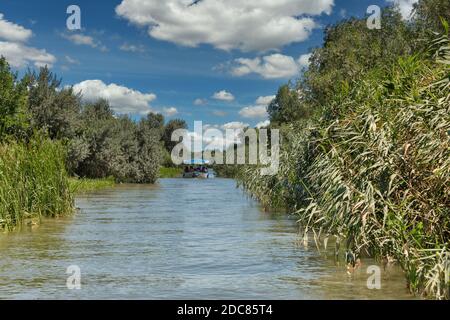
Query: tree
(287, 106)
(428, 15)
(170, 127)
(350, 50)
(53, 109)
(13, 99)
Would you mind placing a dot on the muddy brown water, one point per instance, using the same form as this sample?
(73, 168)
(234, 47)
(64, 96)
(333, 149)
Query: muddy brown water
(179, 239)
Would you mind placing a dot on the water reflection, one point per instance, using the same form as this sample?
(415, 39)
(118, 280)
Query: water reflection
(179, 239)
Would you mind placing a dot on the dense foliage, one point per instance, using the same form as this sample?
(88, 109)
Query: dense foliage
(47, 134)
(370, 162)
(33, 182)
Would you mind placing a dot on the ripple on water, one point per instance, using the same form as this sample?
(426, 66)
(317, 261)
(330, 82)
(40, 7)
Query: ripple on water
(181, 238)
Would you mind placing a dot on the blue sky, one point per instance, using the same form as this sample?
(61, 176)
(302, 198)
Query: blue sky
(192, 55)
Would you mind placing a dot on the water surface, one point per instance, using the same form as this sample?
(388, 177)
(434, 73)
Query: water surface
(179, 239)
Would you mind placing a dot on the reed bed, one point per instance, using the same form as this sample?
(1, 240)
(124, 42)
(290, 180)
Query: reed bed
(33, 182)
(377, 178)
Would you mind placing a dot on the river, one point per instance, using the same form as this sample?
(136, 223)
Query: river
(178, 239)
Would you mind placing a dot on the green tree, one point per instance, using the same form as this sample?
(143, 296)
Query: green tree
(351, 49)
(428, 16)
(52, 108)
(13, 99)
(287, 106)
(170, 127)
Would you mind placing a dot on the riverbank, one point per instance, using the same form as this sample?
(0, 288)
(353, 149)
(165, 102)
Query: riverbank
(83, 185)
(166, 172)
(372, 171)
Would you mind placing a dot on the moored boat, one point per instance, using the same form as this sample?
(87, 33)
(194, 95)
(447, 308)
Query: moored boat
(197, 169)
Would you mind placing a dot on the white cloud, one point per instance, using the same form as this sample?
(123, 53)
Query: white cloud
(226, 24)
(84, 40)
(214, 137)
(15, 50)
(122, 99)
(303, 61)
(274, 66)
(170, 111)
(263, 124)
(223, 96)
(235, 125)
(254, 112)
(200, 102)
(265, 100)
(13, 32)
(405, 6)
(20, 55)
(71, 60)
(259, 110)
(132, 48)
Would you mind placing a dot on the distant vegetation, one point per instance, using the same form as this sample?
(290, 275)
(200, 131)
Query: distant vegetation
(173, 172)
(84, 185)
(47, 134)
(366, 144)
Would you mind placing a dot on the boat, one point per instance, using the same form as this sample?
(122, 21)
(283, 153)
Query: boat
(197, 169)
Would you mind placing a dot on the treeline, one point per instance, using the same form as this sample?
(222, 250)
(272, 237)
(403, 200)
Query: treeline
(47, 135)
(366, 144)
(98, 142)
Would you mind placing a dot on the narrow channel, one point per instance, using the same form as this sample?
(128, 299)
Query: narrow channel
(178, 239)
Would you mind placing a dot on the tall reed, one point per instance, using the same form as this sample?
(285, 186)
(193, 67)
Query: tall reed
(377, 176)
(33, 182)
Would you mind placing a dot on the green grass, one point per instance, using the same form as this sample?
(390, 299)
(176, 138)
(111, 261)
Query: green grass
(33, 183)
(84, 185)
(165, 172)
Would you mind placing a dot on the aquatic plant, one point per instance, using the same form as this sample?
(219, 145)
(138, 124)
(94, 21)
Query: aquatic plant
(33, 182)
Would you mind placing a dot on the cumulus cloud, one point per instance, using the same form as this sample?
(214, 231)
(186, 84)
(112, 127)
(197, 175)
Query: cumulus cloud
(265, 100)
(236, 125)
(223, 95)
(273, 66)
(226, 24)
(122, 99)
(214, 137)
(405, 6)
(254, 112)
(20, 55)
(200, 102)
(13, 32)
(259, 110)
(170, 112)
(14, 49)
(84, 40)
